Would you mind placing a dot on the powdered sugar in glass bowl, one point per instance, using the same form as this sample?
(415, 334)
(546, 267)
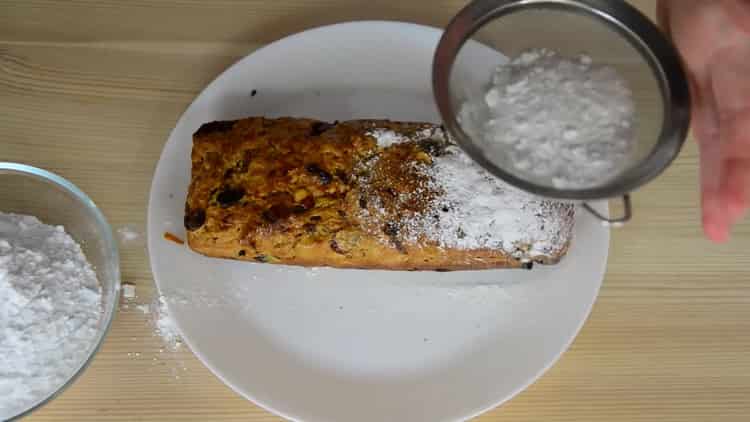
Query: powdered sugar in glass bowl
(35, 192)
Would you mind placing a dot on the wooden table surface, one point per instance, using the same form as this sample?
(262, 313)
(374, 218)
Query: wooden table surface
(90, 90)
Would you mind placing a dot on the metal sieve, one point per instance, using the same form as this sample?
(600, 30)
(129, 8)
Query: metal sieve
(612, 33)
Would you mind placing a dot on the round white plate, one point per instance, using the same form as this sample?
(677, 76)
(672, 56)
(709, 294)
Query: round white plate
(345, 345)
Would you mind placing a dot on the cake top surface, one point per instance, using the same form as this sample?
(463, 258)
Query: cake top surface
(404, 183)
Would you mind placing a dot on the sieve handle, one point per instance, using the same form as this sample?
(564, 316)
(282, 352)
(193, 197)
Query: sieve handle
(627, 213)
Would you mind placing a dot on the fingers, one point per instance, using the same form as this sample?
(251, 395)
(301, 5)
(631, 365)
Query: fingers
(731, 87)
(739, 12)
(713, 40)
(662, 16)
(716, 221)
(730, 82)
(735, 136)
(737, 188)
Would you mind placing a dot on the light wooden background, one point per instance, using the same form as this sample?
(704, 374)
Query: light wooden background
(90, 89)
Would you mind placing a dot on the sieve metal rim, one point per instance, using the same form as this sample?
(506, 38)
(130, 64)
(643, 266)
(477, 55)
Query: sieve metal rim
(637, 29)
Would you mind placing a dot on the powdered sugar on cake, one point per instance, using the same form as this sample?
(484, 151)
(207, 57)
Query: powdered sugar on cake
(468, 208)
(484, 212)
(387, 137)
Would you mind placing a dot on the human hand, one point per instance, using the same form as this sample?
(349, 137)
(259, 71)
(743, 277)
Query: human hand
(713, 37)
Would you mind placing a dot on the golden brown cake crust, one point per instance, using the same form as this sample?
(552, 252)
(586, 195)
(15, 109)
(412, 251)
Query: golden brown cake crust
(303, 192)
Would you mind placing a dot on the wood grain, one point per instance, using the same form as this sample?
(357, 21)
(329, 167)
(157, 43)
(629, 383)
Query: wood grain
(91, 89)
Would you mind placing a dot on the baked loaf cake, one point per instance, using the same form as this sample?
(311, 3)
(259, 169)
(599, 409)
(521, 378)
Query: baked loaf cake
(360, 194)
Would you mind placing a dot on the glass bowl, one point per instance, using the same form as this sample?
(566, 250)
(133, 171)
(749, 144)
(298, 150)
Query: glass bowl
(29, 190)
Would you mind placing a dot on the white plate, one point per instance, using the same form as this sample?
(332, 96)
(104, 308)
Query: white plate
(345, 345)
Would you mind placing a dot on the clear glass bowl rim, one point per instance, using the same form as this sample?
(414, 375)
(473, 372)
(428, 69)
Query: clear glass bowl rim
(109, 240)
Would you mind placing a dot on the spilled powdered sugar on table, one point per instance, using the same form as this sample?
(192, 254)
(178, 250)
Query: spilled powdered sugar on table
(153, 312)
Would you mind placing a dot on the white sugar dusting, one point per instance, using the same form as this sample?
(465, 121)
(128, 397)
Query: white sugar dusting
(473, 209)
(165, 325)
(128, 290)
(387, 137)
(128, 234)
(157, 314)
(483, 212)
(557, 121)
